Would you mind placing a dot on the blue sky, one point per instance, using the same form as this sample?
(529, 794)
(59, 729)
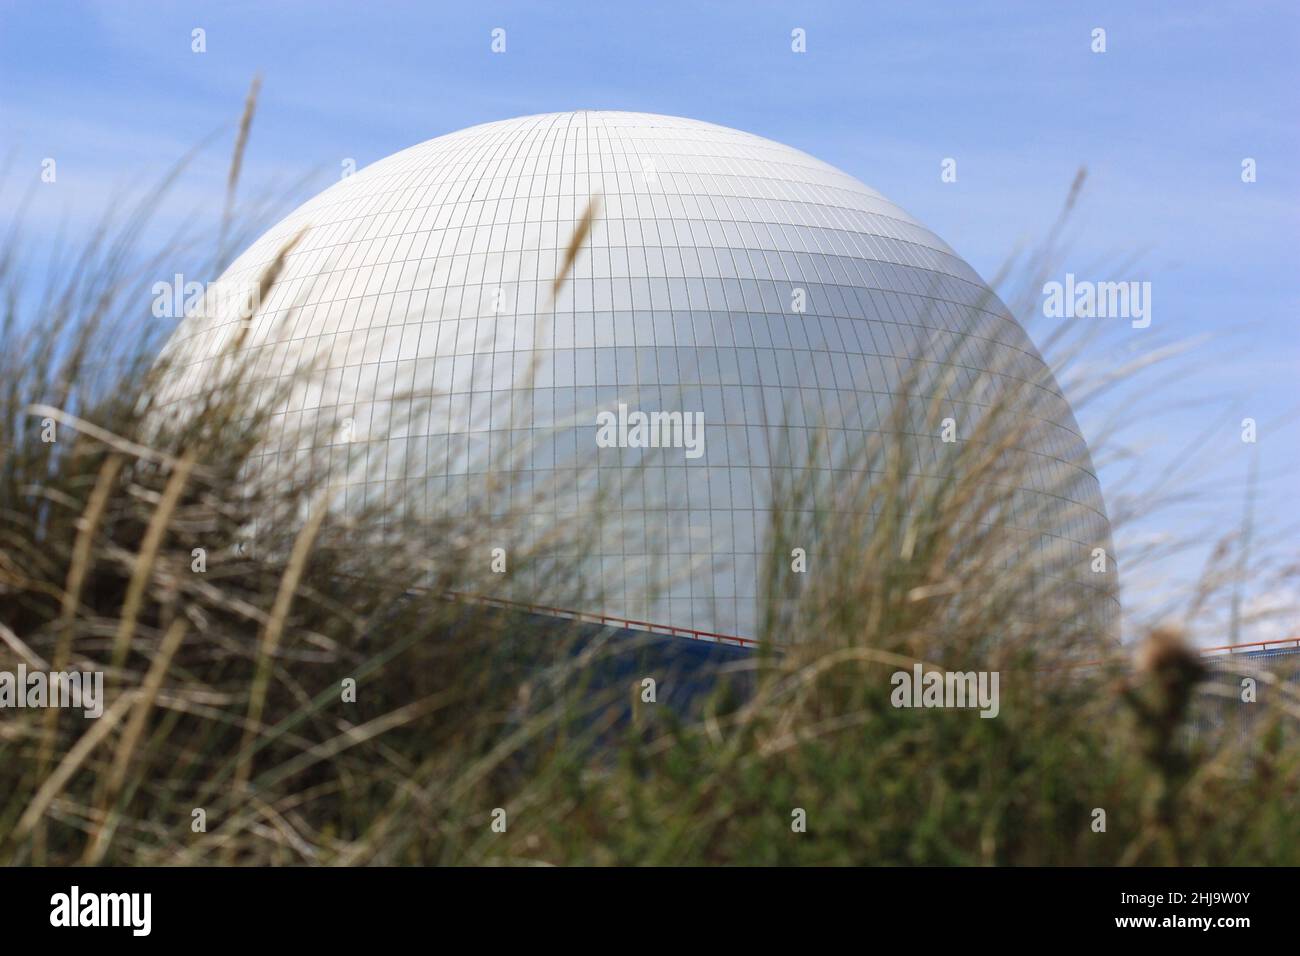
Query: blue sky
(1162, 121)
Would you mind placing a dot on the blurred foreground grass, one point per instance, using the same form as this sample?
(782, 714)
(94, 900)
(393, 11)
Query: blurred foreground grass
(225, 698)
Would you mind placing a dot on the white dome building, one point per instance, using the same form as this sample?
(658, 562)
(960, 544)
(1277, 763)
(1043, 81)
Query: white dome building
(728, 280)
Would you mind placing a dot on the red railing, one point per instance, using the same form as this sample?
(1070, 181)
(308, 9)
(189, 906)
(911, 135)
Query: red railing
(1262, 645)
(690, 632)
(648, 626)
(653, 628)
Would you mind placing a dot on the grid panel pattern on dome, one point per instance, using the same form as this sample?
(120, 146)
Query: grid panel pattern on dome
(430, 274)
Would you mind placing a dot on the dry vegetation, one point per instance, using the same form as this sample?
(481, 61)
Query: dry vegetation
(223, 687)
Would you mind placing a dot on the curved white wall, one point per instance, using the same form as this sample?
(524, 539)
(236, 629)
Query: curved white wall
(429, 272)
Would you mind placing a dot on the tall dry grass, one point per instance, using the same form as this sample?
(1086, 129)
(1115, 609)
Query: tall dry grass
(225, 687)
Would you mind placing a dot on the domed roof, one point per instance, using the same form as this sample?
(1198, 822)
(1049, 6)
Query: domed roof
(725, 275)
